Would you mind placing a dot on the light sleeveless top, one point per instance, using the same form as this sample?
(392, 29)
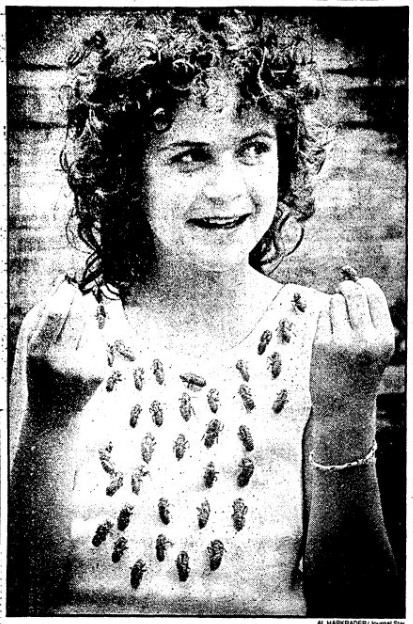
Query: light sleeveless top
(187, 494)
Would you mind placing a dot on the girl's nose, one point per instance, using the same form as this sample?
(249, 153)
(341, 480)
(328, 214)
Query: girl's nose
(225, 183)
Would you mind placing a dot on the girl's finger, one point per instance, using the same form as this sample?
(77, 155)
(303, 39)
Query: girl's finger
(74, 325)
(55, 311)
(357, 305)
(47, 302)
(379, 310)
(324, 327)
(339, 316)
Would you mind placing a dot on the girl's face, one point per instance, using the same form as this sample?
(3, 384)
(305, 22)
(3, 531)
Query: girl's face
(212, 183)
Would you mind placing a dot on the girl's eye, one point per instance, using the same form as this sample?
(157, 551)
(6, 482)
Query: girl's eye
(253, 153)
(191, 159)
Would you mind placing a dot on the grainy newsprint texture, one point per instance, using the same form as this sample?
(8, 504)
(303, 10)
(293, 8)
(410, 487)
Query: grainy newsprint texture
(360, 220)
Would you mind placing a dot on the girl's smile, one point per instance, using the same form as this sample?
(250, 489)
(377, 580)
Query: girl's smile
(219, 223)
(212, 183)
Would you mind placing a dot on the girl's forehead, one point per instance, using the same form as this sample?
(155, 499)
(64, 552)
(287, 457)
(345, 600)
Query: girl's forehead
(216, 121)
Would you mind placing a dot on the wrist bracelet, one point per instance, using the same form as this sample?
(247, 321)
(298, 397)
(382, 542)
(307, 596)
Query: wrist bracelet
(370, 458)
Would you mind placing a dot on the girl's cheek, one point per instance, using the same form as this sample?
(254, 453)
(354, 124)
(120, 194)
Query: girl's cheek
(269, 192)
(263, 191)
(191, 190)
(263, 180)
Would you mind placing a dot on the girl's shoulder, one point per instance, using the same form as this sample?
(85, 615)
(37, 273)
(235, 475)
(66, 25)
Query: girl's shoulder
(312, 295)
(291, 318)
(288, 304)
(299, 297)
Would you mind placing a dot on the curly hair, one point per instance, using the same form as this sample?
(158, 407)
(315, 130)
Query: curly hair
(130, 78)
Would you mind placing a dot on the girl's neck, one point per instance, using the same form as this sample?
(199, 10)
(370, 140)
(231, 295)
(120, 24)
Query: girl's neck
(193, 291)
(180, 283)
(189, 304)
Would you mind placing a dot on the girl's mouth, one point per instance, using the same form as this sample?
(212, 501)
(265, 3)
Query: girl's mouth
(219, 223)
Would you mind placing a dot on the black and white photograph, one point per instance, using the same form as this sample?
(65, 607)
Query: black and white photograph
(207, 310)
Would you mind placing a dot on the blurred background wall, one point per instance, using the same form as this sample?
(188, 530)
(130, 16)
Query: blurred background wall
(361, 198)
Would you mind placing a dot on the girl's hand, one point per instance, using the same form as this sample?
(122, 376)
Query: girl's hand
(66, 356)
(353, 345)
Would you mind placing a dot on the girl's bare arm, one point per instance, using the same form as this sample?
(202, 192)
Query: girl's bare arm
(57, 369)
(60, 362)
(349, 565)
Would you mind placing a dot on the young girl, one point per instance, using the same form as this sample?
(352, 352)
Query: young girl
(190, 437)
